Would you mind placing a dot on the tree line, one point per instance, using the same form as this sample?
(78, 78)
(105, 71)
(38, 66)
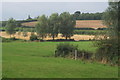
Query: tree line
(55, 24)
(77, 15)
(49, 26)
(88, 16)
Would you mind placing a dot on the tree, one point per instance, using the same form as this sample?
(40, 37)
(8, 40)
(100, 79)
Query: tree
(77, 15)
(29, 17)
(10, 26)
(18, 24)
(19, 32)
(42, 26)
(67, 24)
(4, 23)
(109, 47)
(54, 25)
(25, 32)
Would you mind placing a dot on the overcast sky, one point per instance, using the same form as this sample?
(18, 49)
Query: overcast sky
(20, 10)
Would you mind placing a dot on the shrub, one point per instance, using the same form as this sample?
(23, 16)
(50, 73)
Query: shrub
(84, 54)
(8, 39)
(107, 52)
(68, 50)
(64, 49)
(33, 37)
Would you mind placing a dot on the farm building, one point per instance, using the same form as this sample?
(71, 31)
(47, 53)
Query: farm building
(79, 24)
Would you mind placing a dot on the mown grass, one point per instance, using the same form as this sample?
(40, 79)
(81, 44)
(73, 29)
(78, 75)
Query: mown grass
(36, 60)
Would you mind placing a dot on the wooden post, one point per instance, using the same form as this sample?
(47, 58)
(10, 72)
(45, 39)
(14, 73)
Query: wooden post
(83, 55)
(75, 54)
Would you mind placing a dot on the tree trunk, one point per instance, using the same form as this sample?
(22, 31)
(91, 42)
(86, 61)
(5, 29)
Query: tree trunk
(42, 38)
(10, 35)
(53, 37)
(66, 37)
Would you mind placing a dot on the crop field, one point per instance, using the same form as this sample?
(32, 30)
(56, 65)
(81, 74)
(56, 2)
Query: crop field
(79, 24)
(76, 37)
(36, 60)
(90, 24)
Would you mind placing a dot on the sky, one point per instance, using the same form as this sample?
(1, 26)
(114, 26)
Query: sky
(21, 10)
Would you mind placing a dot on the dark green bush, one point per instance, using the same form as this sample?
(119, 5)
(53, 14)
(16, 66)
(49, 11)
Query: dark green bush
(107, 52)
(8, 39)
(84, 54)
(2, 39)
(64, 49)
(68, 50)
(33, 37)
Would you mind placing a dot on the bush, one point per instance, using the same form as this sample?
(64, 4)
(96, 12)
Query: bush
(64, 49)
(107, 52)
(8, 39)
(84, 54)
(68, 50)
(33, 37)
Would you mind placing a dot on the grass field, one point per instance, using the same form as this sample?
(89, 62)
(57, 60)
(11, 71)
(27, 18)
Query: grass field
(35, 60)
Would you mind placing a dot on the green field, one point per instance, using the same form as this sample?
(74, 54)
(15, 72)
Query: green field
(36, 60)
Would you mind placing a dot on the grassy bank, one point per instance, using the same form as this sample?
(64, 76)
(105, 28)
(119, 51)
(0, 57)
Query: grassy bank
(35, 60)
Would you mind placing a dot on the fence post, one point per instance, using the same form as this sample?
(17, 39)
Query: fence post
(75, 54)
(83, 55)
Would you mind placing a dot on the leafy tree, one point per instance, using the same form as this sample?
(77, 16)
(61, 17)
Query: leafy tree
(19, 32)
(67, 24)
(87, 16)
(42, 26)
(18, 24)
(29, 17)
(33, 37)
(54, 24)
(109, 48)
(25, 32)
(32, 30)
(4, 23)
(77, 14)
(64, 49)
(10, 26)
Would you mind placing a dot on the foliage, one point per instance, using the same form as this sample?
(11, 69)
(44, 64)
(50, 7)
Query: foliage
(109, 48)
(3, 23)
(87, 16)
(9, 39)
(106, 52)
(42, 26)
(29, 17)
(18, 24)
(90, 32)
(68, 50)
(54, 23)
(25, 32)
(33, 37)
(67, 24)
(64, 49)
(10, 26)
